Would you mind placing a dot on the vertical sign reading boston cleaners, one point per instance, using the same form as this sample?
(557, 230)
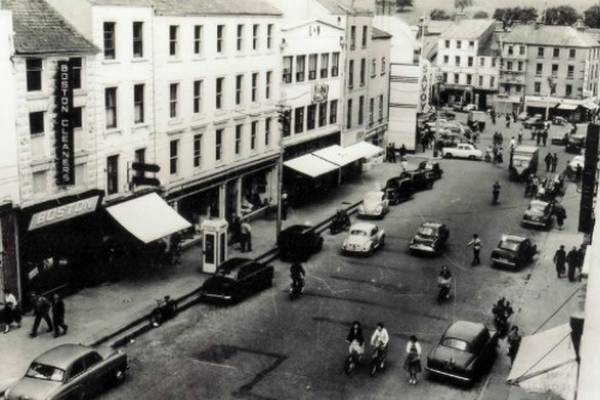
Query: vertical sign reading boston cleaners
(65, 152)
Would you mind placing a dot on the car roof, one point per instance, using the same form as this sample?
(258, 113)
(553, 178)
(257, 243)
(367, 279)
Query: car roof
(513, 238)
(538, 203)
(235, 263)
(431, 224)
(300, 228)
(465, 330)
(374, 193)
(363, 226)
(63, 356)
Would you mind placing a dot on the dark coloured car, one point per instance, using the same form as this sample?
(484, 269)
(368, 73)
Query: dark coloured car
(558, 120)
(298, 243)
(513, 252)
(398, 190)
(236, 279)
(465, 351)
(528, 123)
(421, 179)
(431, 238)
(551, 187)
(70, 371)
(575, 143)
(433, 166)
(539, 214)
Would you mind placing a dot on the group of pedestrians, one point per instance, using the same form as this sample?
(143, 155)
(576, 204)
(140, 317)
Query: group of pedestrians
(573, 260)
(52, 312)
(551, 161)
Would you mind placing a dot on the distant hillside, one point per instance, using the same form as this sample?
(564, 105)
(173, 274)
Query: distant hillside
(424, 7)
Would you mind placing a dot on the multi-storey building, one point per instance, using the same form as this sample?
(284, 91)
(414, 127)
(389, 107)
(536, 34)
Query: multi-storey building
(379, 87)
(552, 68)
(467, 59)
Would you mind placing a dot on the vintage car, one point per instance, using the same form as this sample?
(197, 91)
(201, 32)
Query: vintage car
(575, 143)
(398, 190)
(433, 166)
(236, 279)
(463, 150)
(465, 351)
(529, 122)
(431, 238)
(449, 139)
(538, 214)
(560, 121)
(476, 119)
(572, 166)
(298, 243)
(70, 371)
(522, 116)
(513, 251)
(374, 205)
(552, 186)
(421, 179)
(560, 138)
(524, 162)
(363, 238)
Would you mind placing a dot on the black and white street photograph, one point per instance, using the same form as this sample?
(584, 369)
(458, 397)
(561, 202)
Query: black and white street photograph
(299, 199)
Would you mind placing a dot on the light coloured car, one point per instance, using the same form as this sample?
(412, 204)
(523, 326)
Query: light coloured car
(469, 107)
(363, 238)
(577, 161)
(70, 371)
(374, 205)
(463, 150)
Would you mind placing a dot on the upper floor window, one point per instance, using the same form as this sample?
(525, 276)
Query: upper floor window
(138, 103)
(482, 62)
(220, 38)
(268, 79)
(197, 102)
(570, 71)
(335, 64)
(572, 53)
(537, 87)
(173, 45)
(197, 153)
(383, 66)
(447, 44)
(255, 87)
(510, 50)
(521, 50)
(219, 93)
(238, 139)
(269, 36)
(36, 123)
(470, 61)
(109, 40)
(255, 33)
(458, 44)
(239, 82)
(34, 74)
(198, 32)
(373, 67)
(352, 37)
(555, 52)
(471, 44)
(218, 144)
(76, 68)
(540, 52)
(365, 36)
(312, 67)
(300, 65)
(349, 115)
(138, 39)
(268, 131)
(363, 72)
(253, 133)
(457, 61)
(240, 37)
(173, 99)
(493, 63)
(538, 68)
(173, 156)
(333, 106)
(350, 74)
(287, 69)
(446, 59)
(110, 105)
(324, 65)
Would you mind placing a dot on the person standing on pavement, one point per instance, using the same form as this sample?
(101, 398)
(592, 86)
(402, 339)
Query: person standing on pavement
(236, 230)
(560, 258)
(548, 161)
(580, 260)
(545, 136)
(41, 310)
(507, 117)
(246, 242)
(573, 262)
(520, 137)
(58, 315)
(513, 144)
(12, 312)
(514, 341)
(413, 359)
(554, 162)
(561, 214)
(476, 244)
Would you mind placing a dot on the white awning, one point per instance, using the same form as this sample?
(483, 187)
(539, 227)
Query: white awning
(335, 154)
(148, 217)
(363, 150)
(567, 107)
(310, 165)
(541, 103)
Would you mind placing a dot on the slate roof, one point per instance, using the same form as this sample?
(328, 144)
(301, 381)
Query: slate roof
(39, 29)
(550, 35)
(467, 29)
(345, 7)
(490, 47)
(199, 7)
(380, 34)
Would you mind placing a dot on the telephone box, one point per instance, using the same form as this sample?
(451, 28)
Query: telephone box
(214, 243)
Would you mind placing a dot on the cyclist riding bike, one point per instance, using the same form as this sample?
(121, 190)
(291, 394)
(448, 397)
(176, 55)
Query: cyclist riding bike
(380, 340)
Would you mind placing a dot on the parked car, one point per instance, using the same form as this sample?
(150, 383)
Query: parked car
(465, 351)
(513, 251)
(70, 371)
(477, 118)
(524, 162)
(522, 116)
(298, 242)
(236, 279)
(558, 120)
(449, 139)
(551, 187)
(575, 143)
(528, 123)
(433, 166)
(577, 161)
(463, 150)
(421, 179)
(398, 190)
(559, 139)
(363, 238)
(374, 204)
(538, 214)
(431, 238)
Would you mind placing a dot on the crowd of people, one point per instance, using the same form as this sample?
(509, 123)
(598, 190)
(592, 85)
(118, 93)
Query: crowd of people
(52, 312)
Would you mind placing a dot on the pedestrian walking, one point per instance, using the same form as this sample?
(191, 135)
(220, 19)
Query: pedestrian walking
(573, 262)
(412, 364)
(175, 248)
(514, 342)
(507, 117)
(12, 312)
(284, 205)
(538, 137)
(580, 260)
(513, 144)
(58, 315)
(578, 172)
(554, 162)
(476, 244)
(560, 258)
(545, 136)
(236, 230)
(246, 242)
(548, 161)
(402, 152)
(424, 143)
(493, 115)
(41, 310)
(561, 214)
(520, 137)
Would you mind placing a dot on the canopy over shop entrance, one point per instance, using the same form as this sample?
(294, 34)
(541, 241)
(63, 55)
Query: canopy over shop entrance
(310, 165)
(148, 217)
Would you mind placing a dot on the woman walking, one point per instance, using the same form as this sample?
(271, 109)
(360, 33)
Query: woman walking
(413, 359)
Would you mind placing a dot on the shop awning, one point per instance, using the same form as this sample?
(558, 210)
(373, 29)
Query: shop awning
(335, 154)
(310, 165)
(148, 217)
(541, 103)
(567, 107)
(363, 150)
(589, 106)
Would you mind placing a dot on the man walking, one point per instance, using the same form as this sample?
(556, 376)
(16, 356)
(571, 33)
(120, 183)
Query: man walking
(58, 315)
(561, 215)
(548, 161)
(246, 237)
(514, 341)
(554, 162)
(476, 243)
(560, 258)
(545, 136)
(41, 310)
(573, 261)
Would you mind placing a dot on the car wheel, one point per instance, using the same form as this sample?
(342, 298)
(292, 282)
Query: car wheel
(471, 157)
(448, 155)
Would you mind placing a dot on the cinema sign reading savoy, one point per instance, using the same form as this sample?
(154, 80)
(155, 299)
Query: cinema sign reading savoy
(65, 152)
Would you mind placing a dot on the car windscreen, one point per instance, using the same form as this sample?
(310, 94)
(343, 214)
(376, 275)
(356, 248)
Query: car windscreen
(45, 372)
(357, 232)
(426, 231)
(456, 344)
(509, 245)
(372, 197)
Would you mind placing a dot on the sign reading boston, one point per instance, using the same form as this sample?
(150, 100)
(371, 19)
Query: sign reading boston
(65, 152)
(64, 212)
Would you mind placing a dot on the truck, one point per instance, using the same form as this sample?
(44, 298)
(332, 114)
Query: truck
(476, 119)
(462, 150)
(523, 162)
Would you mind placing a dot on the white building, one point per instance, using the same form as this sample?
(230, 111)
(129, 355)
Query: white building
(379, 87)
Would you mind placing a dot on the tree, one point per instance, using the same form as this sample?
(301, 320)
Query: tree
(401, 4)
(591, 16)
(438, 14)
(462, 4)
(481, 15)
(517, 14)
(561, 15)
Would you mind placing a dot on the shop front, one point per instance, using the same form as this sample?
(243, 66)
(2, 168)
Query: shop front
(59, 244)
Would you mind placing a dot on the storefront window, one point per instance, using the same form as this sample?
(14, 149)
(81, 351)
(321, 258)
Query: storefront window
(254, 192)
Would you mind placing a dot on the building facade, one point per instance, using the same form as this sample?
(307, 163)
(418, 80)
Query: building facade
(379, 87)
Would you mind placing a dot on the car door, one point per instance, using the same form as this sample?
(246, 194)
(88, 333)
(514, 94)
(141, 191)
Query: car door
(95, 375)
(74, 388)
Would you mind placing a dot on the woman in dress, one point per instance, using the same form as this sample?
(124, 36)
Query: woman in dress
(413, 359)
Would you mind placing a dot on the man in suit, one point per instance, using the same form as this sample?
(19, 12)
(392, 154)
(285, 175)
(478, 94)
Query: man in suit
(58, 315)
(41, 310)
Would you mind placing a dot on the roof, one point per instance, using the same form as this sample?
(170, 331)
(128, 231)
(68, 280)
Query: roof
(467, 29)
(299, 24)
(63, 355)
(199, 7)
(464, 330)
(39, 29)
(345, 7)
(431, 224)
(362, 226)
(380, 34)
(550, 35)
(434, 27)
(490, 47)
